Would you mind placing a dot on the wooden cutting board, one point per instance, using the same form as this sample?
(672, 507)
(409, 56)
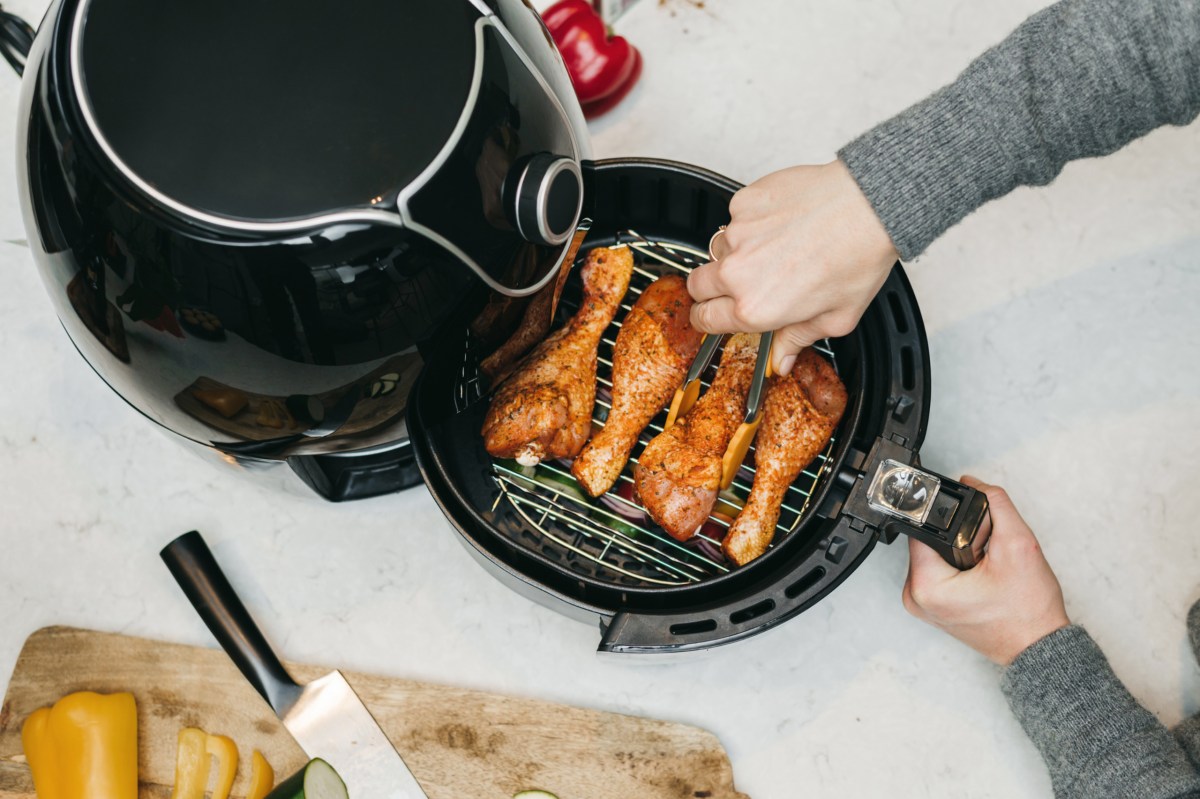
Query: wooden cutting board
(459, 744)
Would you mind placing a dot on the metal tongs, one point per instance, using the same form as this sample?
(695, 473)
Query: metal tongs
(687, 394)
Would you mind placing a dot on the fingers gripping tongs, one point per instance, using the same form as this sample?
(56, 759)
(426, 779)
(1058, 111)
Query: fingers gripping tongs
(687, 394)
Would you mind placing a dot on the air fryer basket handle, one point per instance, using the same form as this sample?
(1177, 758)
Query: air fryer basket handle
(194, 568)
(895, 494)
(958, 528)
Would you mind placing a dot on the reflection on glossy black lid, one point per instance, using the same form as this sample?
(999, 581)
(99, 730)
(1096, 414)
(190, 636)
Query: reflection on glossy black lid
(277, 109)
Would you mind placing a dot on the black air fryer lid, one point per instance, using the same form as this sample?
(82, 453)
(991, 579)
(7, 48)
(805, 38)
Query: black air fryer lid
(278, 116)
(277, 109)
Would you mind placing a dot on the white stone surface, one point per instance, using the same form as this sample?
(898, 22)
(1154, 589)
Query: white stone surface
(1065, 343)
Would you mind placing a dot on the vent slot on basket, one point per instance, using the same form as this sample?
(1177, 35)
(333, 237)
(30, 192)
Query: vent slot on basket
(694, 627)
(610, 538)
(752, 612)
(899, 318)
(804, 583)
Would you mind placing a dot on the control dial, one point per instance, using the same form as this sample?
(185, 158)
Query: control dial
(545, 197)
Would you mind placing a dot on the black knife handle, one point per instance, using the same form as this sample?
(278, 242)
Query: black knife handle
(194, 568)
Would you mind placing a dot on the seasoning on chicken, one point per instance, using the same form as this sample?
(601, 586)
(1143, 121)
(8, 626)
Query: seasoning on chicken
(800, 413)
(535, 321)
(650, 359)
(679, 472)
(544, 410)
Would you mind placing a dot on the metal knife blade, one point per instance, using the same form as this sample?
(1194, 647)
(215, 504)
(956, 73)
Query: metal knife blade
(326, 717)
(329, 721)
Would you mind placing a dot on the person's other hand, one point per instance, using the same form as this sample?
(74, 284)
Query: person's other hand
(1010, 600)
(806, 255)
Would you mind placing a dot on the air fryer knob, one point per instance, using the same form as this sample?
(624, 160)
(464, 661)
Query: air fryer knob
(546, 198)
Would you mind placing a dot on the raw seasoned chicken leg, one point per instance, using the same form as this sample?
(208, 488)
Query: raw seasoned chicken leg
(544, 410)
(679, 472)
(800, 412)
(652, 354)
(535, 321)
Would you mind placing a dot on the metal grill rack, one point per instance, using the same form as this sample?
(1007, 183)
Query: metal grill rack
(590, 535)
(470, 388)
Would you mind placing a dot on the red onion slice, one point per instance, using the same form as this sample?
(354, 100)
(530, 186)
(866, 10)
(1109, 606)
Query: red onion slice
(706, 548)
(623, 508)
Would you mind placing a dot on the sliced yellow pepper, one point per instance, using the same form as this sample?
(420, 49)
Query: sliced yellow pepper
(86, 745)
(192, 764)
(225, 751)
(262, 777)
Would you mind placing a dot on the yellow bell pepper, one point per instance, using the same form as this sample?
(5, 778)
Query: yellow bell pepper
(224, 750)
(192, 764)
(84, 746)
(262, 777)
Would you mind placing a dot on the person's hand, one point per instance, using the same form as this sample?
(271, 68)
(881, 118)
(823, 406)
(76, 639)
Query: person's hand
(806, 254)
(1010, 600)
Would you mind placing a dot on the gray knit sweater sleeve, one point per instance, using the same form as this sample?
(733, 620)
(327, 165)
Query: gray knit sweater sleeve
(1080, 78)
(1095, 738)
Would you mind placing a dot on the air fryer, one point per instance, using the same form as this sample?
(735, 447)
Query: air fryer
(245, 214)
(269, 229)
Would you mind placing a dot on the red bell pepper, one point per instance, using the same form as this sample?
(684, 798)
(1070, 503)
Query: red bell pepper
(600, 65)
(605, 104)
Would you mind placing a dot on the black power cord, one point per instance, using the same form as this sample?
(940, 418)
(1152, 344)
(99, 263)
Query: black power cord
(16, 37)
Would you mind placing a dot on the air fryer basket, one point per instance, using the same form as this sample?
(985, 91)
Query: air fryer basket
(580, 558)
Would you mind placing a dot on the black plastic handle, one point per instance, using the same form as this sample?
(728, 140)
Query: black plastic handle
(194, 568)
(962, 538)
(956, 522)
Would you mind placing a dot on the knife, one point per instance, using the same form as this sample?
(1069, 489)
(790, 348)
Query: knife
(325, 716)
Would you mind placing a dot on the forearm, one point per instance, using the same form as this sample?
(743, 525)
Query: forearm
(1080, 78)
(1094, 736)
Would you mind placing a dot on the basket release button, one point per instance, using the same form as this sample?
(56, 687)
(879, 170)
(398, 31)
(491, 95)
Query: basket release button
(942, 513)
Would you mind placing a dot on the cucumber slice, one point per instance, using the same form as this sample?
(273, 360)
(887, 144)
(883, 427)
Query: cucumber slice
(512, 466)
(534, 795)
(317, 780)
(563, 484)
(613, 522)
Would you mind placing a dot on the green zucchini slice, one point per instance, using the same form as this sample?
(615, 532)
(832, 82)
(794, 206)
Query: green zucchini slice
(317, 780)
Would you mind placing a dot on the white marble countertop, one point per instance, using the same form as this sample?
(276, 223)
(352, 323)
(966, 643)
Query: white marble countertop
(1065, 342)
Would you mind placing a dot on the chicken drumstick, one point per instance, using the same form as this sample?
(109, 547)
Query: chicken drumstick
(800, 411)
(679, 472)
(544, 410)
(650, 359)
